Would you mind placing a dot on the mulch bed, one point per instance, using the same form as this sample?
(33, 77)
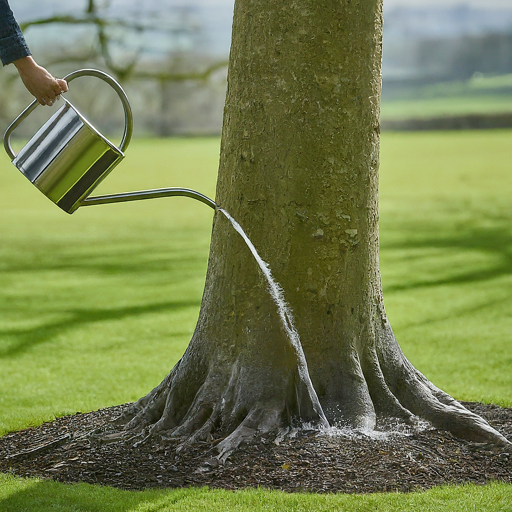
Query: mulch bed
(348, 462)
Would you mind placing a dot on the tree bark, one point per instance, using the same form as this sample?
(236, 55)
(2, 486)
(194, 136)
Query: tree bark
(299, 171)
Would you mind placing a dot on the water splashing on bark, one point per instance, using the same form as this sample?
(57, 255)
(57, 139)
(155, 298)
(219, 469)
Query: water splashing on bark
(277, 294)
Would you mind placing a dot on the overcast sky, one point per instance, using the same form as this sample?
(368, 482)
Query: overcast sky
(215, 16)
(24, 8)
(391, 3)
(447, 3)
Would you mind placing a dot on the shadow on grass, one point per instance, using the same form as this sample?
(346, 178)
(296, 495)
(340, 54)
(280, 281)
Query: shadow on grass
(42, 496)
(158, 263)
(28, 338)
(496, 241)
(450, 315)
(114, 261)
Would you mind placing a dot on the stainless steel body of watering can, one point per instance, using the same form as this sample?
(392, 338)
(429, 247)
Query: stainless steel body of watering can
(67, 158)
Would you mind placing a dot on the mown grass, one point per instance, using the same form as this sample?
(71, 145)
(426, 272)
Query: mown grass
(34, 495)
(446, 254)
(96, 307)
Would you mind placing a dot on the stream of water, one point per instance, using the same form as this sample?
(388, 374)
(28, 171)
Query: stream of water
(277, 294)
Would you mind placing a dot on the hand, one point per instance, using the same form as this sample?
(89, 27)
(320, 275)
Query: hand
(39, 82)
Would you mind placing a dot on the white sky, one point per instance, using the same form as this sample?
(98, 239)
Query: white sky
(21, 6)
(450, 3)
(446, 3)
(387, 3)
(394, 3)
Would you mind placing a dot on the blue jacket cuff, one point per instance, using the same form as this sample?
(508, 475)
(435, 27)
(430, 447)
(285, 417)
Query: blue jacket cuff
(13, 48)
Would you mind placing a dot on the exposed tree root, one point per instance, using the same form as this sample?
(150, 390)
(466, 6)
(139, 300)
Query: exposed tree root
(248, 375)
(418, 395)
(227, 406)
(232, 403)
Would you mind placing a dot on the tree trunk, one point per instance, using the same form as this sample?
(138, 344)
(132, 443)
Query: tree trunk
(299, 171)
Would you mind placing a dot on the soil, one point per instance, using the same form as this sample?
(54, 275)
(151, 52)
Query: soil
(403, 459)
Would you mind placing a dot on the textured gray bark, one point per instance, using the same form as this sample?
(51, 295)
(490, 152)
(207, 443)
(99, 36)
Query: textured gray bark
(299, 171)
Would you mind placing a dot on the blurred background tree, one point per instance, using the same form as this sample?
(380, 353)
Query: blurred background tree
(157, 50)
(446, 64)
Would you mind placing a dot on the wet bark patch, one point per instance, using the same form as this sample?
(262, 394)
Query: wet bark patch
(421, 459)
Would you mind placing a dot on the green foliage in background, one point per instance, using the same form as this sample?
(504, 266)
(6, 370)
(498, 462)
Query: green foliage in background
(96, 308)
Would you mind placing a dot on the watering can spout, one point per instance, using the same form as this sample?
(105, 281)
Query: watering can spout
(149, 194)
(68, 158)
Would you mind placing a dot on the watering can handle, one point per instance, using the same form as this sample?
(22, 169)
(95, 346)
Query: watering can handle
(128, 117)
(14, 125)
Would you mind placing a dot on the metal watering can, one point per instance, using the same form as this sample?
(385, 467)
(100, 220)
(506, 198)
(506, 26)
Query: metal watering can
(68, 158)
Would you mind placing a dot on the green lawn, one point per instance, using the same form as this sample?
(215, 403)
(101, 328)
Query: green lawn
(19, 495)
(97, 307)
(446, 255)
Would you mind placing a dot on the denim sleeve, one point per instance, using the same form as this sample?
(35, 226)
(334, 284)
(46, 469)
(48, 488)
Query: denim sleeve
(12, 42)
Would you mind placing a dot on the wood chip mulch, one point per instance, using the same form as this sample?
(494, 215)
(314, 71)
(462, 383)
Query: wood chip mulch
(349, 462)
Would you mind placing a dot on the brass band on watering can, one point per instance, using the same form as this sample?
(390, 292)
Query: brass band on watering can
(67, 158)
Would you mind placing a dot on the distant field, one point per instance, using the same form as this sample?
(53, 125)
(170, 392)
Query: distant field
(436, 107)
(96, 308)
(480, 95)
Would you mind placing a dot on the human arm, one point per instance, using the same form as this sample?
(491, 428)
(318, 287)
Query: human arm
(12, 42)
(13, 49)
